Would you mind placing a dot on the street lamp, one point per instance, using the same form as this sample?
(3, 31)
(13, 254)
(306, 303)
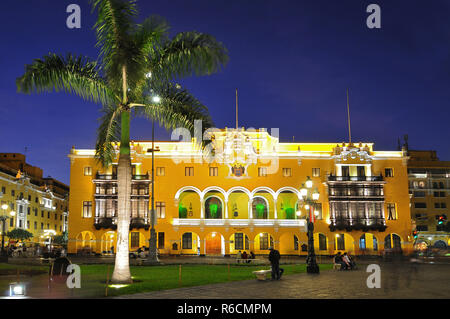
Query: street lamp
(152, 255)
(310, 200)
(4, 218)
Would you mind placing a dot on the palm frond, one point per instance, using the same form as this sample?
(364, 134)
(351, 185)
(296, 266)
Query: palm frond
(72, 74)
(107, 133)
(114, 26)
(189, 53)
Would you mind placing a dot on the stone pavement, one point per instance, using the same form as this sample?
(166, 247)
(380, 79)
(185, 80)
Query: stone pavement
(398, 280)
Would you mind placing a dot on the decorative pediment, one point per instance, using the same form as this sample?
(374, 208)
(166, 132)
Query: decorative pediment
(352, 154)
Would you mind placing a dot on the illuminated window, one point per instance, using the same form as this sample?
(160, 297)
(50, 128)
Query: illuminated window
(316, 172)
(262, 171)
(340, 242)
(213, 171)
(160, 171)
(87, 171)
(188, 171)
(392, 212)
(287, 172)
(161, 209)
(265, 241)
(87, 209)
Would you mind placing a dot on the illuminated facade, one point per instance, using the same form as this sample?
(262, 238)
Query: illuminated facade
(38, 204)
(429, 182)
(245, 195)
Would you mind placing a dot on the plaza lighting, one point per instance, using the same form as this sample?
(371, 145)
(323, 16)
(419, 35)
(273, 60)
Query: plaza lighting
(309, 182)
(5, 206)
(12, 213)
(310, 199)
(148, 75)
(152, 254)
(315, 195)
(303, 191)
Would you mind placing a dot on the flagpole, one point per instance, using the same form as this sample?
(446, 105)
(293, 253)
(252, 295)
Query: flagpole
(348, 115)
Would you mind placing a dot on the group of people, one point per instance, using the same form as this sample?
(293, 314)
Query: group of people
(345, 260)
(243, 255)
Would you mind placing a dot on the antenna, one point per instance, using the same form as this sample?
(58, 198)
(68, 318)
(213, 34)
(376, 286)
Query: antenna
(237, 109)
(348, 115)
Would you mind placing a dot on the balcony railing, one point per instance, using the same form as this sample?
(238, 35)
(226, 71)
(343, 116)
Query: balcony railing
(240, 222)
(139, 222)
(105, 222)
(113, 177)
(332, 178)
(363, 224)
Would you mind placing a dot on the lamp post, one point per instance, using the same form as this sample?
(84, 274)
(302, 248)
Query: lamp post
(4, 218)
(152, 254)
(310, 199)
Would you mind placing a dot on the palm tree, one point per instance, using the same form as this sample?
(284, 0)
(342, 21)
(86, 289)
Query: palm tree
(134, 76)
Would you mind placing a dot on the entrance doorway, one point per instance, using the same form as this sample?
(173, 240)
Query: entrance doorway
(214, 244)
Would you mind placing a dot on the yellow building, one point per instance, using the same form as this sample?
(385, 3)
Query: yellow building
(429, 182)
(244, 194)
(32, 202)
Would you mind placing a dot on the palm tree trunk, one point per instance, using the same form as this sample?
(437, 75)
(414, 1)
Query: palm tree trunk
(121, 272)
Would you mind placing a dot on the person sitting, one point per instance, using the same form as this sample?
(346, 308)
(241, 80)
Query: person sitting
(346, 260)
(244, 255)
(238, 256)
(352, 261)
(252, 255)
(338, 260)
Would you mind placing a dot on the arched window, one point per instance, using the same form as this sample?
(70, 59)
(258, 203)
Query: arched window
(440, 244)
(186, 243)
(213, 208)
(397, 241)
(340, 242)
(362, 242)
(265, 241)
(259, 208)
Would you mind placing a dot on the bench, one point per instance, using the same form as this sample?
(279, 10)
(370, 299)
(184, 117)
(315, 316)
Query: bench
(250, 261)
(337, 266)
(262, 274)
(46, 260)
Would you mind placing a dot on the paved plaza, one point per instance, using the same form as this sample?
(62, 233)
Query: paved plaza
(398, 280)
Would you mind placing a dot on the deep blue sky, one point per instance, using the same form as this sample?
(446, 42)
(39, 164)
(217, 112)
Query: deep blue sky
(291, 61)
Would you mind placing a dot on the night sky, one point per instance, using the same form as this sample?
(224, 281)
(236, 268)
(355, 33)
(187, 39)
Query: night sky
(292, 62)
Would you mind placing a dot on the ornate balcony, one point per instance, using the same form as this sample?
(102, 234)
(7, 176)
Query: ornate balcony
(139, 222)
(332, 178)
(364, 224)
(106, 223)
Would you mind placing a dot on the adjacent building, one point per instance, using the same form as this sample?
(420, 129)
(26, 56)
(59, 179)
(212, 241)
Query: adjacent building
(244, 193)
(31, 201)
(429, 184)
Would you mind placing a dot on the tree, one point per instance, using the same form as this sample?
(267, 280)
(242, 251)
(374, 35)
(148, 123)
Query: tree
(19, 234)
(135, 75)
(61, 239)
